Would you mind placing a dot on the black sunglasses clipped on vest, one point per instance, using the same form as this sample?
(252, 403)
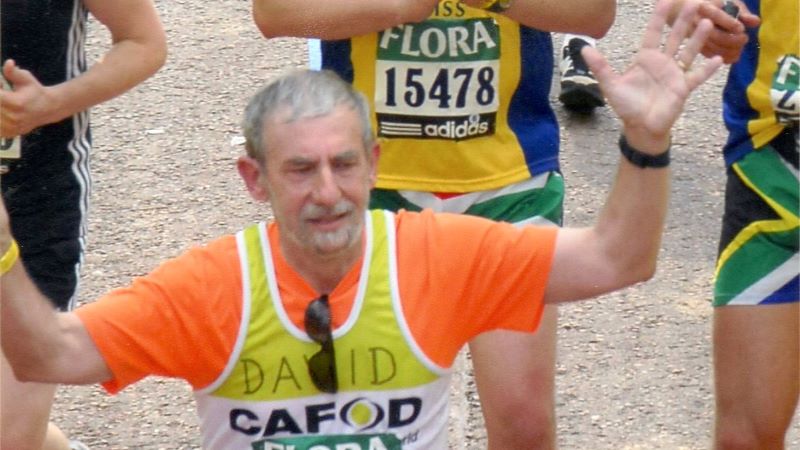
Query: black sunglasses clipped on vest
(322, 365)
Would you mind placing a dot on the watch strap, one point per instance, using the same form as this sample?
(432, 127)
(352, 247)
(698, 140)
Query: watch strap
(640, 159)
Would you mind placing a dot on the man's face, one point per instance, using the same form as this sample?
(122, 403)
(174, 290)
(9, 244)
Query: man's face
(318, 178)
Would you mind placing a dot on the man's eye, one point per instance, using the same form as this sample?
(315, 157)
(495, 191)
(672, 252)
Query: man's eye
(301, 170)
(344, 165)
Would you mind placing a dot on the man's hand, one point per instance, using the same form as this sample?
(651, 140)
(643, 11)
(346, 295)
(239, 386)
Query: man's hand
(650, 95)
(729, 35)
(29, 105)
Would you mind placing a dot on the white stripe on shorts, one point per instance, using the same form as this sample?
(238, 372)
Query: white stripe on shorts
(460, 203)
(764, 287)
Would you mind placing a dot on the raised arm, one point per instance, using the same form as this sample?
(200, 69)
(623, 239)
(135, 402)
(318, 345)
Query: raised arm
(339, 19)
(325, 19)
(138, 50)
(588, 17)
(40, 343)
(622, 247)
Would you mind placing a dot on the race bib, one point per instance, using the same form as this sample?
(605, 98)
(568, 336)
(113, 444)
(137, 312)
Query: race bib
(339, 442)
(438, 79)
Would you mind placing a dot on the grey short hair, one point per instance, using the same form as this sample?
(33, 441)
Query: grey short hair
(301, 94)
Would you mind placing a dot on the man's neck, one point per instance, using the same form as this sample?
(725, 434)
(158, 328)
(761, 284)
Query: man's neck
(322, 272)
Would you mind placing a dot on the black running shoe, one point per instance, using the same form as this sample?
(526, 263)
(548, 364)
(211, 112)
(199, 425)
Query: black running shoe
(579, 89)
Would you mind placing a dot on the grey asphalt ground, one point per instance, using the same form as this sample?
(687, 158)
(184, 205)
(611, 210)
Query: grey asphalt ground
(633, 367)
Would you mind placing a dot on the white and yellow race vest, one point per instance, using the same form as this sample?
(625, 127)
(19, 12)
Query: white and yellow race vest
(391, 396)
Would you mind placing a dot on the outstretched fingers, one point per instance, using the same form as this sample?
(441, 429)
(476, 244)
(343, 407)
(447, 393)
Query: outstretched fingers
(681, 28)
(695, 76)
(599, 66)
(698, 76)
(655, 26)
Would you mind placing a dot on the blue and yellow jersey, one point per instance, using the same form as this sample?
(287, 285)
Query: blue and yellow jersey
(460, 101)
(761, 96)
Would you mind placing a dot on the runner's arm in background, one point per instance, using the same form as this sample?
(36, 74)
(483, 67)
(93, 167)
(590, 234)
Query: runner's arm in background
(586, 17)
(339, 19)
(138, 50)
(622, 247)
(325, 19)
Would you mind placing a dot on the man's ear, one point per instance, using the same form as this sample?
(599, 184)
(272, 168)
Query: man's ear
(374, 154)
(251, 172)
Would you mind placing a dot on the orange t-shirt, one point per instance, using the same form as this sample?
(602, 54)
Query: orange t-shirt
(458, 276)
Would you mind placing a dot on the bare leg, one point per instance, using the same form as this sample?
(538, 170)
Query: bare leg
(24, 414)
(756, 374)
(55, 438)
(516, 385)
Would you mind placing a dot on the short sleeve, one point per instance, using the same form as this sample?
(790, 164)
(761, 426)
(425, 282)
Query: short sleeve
(460, 276)
(181, 320)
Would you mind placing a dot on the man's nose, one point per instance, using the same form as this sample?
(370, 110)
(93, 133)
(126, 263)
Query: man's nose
(327, 190)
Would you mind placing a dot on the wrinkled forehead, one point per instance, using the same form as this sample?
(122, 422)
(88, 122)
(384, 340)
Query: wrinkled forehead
(342, 118)
(335, 130)
(287, 113)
